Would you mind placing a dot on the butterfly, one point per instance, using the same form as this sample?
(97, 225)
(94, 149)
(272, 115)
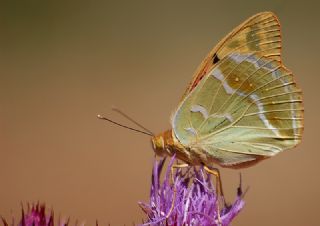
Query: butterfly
(242, 105)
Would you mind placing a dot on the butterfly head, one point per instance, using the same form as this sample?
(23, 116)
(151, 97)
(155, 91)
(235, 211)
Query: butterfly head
(158, 144)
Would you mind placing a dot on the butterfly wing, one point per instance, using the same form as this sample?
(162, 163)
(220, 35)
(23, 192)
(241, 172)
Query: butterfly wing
(260, 34)
(247, 105)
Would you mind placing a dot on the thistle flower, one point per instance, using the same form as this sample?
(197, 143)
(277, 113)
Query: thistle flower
(190, 199)
(36, 215)
(192, 194)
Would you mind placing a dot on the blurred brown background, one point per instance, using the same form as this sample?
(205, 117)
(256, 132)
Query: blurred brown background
(61, 63)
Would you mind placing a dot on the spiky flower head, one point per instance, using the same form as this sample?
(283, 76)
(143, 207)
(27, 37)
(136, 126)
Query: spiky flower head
(36, 215)
(190, 199)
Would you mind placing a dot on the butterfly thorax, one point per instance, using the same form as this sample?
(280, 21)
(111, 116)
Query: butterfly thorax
(165, 144)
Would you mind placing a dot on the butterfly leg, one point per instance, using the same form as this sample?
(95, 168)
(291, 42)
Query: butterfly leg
(216, 173)
(177, 166)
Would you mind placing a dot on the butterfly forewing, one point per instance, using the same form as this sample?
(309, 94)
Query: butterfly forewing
(259, 34)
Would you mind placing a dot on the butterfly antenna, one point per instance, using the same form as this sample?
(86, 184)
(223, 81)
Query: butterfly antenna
(124, 126)
(131, 119)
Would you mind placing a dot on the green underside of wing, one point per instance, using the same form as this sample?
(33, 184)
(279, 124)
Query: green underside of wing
(248, 104)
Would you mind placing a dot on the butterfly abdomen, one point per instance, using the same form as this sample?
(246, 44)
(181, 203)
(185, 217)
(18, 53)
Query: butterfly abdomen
(165, 144)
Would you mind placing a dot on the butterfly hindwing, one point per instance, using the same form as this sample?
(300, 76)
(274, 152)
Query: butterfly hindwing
(259, 34)
(248, 104)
